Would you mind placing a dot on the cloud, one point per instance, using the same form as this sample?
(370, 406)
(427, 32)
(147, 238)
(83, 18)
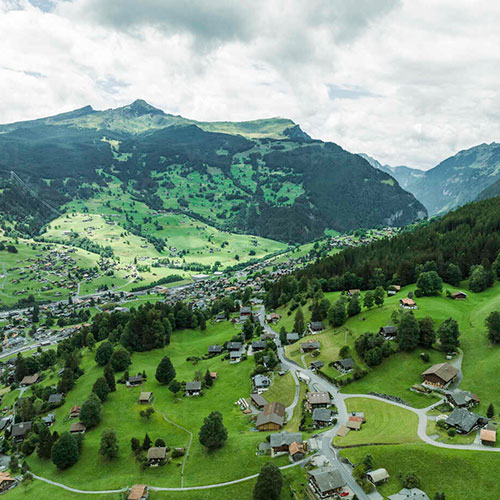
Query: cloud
(409, 82)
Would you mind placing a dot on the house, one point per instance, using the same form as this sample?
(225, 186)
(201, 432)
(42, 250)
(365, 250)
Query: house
(354, 425)
(318, 400)
(5, 422)
(344, 365)
(245, 312)
(393, 290)
(221, 317)
(310, 346)
(388, 332)
(322, 417)
(464, 421)
(325, 481)
(156, 455)
(258, 401)
(29, 380)
(408, 303)
(272, 417)
(440, 375)
(20, 431)
(235, 356)
(297, 451)
(281, 441)
(138, 492)
(234, 346)
(292, 337)
(214, 349)
(409, 494)
(49, 419)
(258, 345)
(488, 436)
(261, 382)
(378, 476)
(462, 399)
(134, 381)
(273, 318)
(316, 327)
(56, 399)
(6, 481)
(214, 375)
(74, 412)
(77, 428)
(317, 365)
(353, 291)
(145, 398)
(459, 295)
(192, 388)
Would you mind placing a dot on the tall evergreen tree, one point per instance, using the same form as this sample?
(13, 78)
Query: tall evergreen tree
(146, 444)
(427, 333)
(337, 313)
(298, 322)
(109, 444)
(408, 332)
(369, 299)
(354, 306)
(448, 334)
(490, 412)
(109, 375)
(269, 483)
(493, 325)
(101, 388)
(65, 451)
(45, 441)
(165, 372)
(103, 353)
(212, 433)
(379, 296)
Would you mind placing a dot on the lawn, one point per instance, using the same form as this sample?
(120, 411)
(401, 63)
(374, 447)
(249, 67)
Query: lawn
(385, 423)
(293, 425)
(281, 390)
(433, 429)
(460, 474)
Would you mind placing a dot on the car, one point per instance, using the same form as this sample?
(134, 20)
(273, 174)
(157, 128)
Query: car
(344, 494)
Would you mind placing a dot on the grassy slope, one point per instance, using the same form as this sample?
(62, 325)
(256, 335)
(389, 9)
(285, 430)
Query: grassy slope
(282, 389)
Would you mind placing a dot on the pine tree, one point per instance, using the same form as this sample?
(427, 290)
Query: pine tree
(45, 441)
(90, 341)
(379, 296)
(427, 334)
(354, 306)
(369, 299)
(165, 372)
(109, 375)
(490, 412)
(298, 323)
(448, 334)
(104, 353)
(65, 451)
(493, 324)
(337, 313)
(90, 414)
(101, 388)
(269, 483)
(408, 332)
(109, 444)
(209, 381)
(146, 444)
(212, 433)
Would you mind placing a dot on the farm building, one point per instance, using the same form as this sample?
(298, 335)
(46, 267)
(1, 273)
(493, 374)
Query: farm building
(326, 482)
(272, 417)
(440, 375)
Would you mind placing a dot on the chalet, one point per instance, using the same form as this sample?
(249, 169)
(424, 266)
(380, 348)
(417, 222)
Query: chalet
(145, 398)
(358, 415)
(388, 332)
(245, 312)
(408, 303)
(272, 417)
(344, 365)
(462, 399)
(316, 327)
(234, 346)
(317, 365)
(311, 345)
(273, 318)
(297, 451)
(6, 481)
(354, 425)
(258, 345)
(220, 317)
(56, 399)
(5, 422)
(138, 492)
(459, 296)
(20, 431)
(488, 436)
(156, 455)
(281, 441)
(214, 349)
(318, 400)
(465, 421)
(292, 337)
(77, 428)
(393, 290)
(378, 476)
(353, 291)
(134, 381)
(440, 375)
(261, 382)
(235, 356)
(326, 482)
(74, 412)
(29, 380)
(192, 388)
(322, 417)
(409, 494)
(258, 401)
(49, 419)
(214, 375)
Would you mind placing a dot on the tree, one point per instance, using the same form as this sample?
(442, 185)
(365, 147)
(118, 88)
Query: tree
(428, 283)
(109, 375)
(90, 414)
(411, 480)
(27, 480)
(212, 433)
(36, 313)
(45, 440)
(135, 444)
(490, 412)
(147, 412)
(14, 464)
(337, 313)
(427, 334)
(159, 443)
(439, 496)
(65, 451)
(165, 372)
(209, 381)
(354, 306)
(369, 299)
(493, 325)
(448, 334)
(453, 274)
(120, 359)
(174, 386)
(90, 341)
(368, 462)
(101, 388)
(478, 280)
(379, 296)
(269, 483)
(146, 444)
(298, 322)
(248, 329)
(408, 332)
(345, 352)
(109, 444)
(104, 353)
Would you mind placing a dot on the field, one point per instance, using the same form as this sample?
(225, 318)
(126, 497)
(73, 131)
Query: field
(282, 389)
(385, 423)
(460, 474)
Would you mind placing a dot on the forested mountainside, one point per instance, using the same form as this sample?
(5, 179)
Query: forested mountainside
(451, 245)
(265, 177)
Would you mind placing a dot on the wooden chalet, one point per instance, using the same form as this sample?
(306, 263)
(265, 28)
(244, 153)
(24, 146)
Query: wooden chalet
(272, 417)
(310, 346)
(488, 436)
(77, 428)
(258, 401)
(440, 375)
(134, 381)
(459, 296)
(192, 388)
(325, 482)
(408, 303)
(6, 481)
(156, 455)
(318, 400)
(138, 492)
(145, 398)
(29, 380)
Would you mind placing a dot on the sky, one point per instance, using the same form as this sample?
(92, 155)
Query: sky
(409, 82)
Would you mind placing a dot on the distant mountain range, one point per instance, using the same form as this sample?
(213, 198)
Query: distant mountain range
(462, 178)
(264, 177)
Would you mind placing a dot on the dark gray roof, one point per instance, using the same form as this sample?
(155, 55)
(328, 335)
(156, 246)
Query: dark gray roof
(322, 415)
(463, 419)
(310, 345)
(261, 381)
(346, 364)
(462, 397)
(258, 399)
(292, 336)
(409, 494)
(259, 344)
(317, 325)
(215, 348)
(55, 398)
(234, 345)
(21, 429)
(327, 479)
(317, 364)
(388, 330)
(193, 386)
(282, 438)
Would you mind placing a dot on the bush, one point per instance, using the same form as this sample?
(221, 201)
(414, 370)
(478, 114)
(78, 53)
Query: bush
(452, 432)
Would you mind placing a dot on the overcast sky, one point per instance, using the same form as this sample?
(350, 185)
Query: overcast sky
(409, 82)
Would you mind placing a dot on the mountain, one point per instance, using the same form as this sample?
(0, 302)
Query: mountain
(490, 192)
(264, 177)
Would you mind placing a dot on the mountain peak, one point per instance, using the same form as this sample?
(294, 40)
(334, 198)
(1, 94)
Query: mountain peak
(140, 107)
